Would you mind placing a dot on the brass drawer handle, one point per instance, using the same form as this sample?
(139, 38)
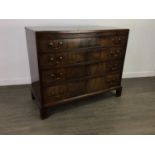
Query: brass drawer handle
(57, 77)
(51, 59)
(61, 57)
(111, 52)
(60, 74)
(56, 44)
(117, 51)
(59, 94)
(111, 82)
(114, 54)
(60, 43)
(57, 62)
(52, 75)
(116, 65)
(51, 44)
(114, 68)
(117, 40)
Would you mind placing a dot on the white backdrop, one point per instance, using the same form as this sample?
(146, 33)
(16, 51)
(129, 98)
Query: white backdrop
(14, 66)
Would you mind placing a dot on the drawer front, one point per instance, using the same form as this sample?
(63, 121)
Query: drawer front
(52, 94)
(54, 45)
(84, 56)
(54, 76)
(72, 73)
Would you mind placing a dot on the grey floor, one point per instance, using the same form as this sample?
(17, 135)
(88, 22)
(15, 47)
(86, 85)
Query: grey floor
(132, 113)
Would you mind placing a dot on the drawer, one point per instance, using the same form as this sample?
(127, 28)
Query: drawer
(95, 84)
(72, 73)
(82, 56)
(68, 58)
(104, 54)
(113, 80)
(54, 45)
(72, 89)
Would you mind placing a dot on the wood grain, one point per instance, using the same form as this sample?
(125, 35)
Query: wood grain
(76, 65)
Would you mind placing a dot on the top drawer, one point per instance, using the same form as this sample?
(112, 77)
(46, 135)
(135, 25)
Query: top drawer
(48, 45)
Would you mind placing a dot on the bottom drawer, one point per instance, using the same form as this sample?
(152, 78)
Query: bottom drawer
(72, 89)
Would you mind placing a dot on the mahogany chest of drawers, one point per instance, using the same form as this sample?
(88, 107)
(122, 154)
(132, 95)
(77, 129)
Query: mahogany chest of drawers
(71, 63)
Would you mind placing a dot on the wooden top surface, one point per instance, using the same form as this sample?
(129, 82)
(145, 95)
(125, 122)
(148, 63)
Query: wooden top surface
(73, 29)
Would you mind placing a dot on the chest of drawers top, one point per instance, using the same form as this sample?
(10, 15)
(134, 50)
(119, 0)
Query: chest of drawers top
(72, 29)
(75, 32)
